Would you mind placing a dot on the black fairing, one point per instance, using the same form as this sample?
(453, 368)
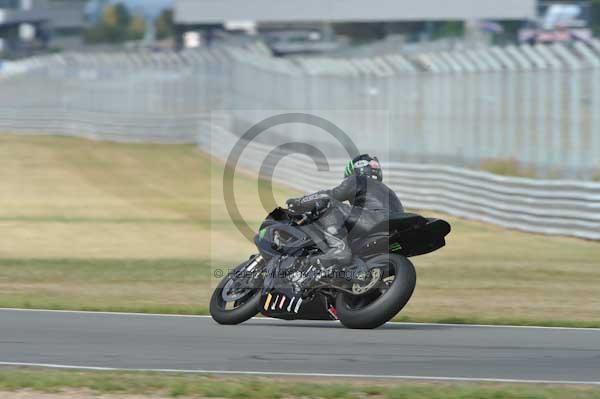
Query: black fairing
(282, 239)
(406, 234)
(314, 308)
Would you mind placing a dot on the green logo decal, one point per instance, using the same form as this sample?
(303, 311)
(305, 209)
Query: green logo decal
(395, 247)
(261, 234)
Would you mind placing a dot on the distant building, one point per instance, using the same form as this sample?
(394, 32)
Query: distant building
(21, 26)
(66, 21)
(207, 15)
(213, 12)
(27, 26)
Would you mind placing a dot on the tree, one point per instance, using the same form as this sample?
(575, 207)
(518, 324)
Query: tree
(447, 29)
(165, 28)
(137, 28)
(116, 26)
(116, 16)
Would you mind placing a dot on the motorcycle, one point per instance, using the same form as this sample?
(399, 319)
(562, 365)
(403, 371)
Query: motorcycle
(364, 295)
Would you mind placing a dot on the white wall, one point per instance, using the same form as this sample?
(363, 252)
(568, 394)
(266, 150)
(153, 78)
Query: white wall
(217, 11)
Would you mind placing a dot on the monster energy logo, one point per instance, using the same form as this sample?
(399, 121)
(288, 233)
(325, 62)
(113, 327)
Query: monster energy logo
(395, 247)
(261, 234)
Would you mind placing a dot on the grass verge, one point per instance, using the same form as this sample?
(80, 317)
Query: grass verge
(142, 228)
(176, 385)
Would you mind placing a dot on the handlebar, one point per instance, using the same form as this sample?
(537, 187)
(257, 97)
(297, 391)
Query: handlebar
(299, 219)
(303, 220)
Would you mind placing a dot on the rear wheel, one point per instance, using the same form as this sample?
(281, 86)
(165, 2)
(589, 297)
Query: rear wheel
(234, 301)
(397, 280)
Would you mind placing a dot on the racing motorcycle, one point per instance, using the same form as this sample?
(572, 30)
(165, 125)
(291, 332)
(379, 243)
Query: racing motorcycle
(377, 284)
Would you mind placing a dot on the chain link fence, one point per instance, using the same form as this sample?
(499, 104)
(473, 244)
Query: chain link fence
(431, 114)
(534, 106)
(556, 207)
(126, 97)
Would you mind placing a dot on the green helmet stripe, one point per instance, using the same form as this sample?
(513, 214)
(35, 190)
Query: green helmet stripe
(349, 167)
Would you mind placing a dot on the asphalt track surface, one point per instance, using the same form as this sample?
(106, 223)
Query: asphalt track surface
(265, 346)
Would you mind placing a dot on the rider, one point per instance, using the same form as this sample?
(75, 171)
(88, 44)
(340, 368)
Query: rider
(371, 202)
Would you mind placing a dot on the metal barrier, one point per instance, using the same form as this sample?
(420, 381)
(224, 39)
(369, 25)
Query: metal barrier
(534, 105)
(125, 97)
(557, 207)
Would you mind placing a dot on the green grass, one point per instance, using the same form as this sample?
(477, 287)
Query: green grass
(177, 385)
(140, 228)
(507, 167)
(184, 286)
(119, 285)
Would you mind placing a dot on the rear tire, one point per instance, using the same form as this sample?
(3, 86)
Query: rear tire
(245, 311)
(388, 304)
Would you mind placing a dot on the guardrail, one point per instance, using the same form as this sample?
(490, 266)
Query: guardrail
(98, 126)
(555, 207)
(535, 105)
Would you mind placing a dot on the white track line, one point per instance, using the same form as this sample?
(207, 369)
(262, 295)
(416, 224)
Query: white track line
(106, 313)
(291, 374)
(270, 319)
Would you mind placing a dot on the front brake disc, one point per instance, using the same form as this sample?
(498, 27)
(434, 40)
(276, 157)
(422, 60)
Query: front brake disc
(231, 293)
(359, 289)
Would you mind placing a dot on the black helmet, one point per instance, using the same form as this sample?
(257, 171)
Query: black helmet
(364, 165)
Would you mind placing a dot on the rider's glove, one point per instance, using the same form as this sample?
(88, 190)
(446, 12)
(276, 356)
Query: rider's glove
(317, 202)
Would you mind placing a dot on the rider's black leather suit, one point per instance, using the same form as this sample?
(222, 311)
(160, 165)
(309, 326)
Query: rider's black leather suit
(371, 203)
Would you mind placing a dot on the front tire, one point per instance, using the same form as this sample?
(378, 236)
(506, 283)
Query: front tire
(244, 308)
(380, 306)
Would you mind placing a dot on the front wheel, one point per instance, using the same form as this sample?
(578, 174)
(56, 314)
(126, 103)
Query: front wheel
(234, 300)
(382, 303)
